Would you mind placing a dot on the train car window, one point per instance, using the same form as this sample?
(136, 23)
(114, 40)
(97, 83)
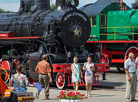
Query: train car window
(93, 20)
(103, 20)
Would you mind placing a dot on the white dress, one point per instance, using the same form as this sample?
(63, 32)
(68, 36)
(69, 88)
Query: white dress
(88, 73)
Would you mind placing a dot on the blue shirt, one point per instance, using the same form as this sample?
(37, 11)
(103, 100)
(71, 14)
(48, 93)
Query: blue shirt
(130, 65)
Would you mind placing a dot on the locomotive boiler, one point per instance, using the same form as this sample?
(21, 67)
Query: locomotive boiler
(36, 29)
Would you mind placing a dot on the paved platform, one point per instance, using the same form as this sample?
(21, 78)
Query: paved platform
(96, 96)
(110, 90)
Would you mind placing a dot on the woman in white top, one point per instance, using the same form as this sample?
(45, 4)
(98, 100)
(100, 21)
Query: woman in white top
(89, 68)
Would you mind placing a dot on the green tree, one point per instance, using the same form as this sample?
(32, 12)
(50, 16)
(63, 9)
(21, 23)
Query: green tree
(53, 6)
(2, 10)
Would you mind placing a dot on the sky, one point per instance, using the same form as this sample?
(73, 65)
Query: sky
(13, 5)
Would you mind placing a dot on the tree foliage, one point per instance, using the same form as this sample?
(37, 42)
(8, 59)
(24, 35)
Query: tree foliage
(2, 10)
(53, 6)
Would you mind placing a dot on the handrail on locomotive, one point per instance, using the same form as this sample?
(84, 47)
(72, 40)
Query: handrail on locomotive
(118, 33)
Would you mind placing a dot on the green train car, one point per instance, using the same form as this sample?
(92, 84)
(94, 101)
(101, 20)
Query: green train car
(116, 26)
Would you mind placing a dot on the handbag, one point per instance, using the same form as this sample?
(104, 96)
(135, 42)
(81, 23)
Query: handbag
(80, 75)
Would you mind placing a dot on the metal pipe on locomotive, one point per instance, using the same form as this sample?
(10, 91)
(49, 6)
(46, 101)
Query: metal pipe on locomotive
(36, 30)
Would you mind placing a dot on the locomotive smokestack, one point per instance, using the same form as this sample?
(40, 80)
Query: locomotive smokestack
(27, 5)
(63, 4)
(60, 4)
(41, 4)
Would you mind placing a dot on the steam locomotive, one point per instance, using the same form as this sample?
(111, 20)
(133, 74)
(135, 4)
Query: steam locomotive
(36, 30)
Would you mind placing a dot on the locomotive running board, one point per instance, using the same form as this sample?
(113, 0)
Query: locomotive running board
(32, 37)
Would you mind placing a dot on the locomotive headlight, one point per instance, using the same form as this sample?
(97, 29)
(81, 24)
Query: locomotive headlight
(72, 3)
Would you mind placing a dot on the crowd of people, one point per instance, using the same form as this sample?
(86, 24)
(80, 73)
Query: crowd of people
(19, 81)
(44, 70)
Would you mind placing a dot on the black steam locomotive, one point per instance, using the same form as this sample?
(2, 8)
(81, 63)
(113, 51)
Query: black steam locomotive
(36, 29)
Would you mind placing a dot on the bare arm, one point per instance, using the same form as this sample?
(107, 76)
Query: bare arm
(26, 81)
(93, 68)
(72, 70)
(49, 74)
(127, 75)
(36, 69)
(84, 67)
(80, 69)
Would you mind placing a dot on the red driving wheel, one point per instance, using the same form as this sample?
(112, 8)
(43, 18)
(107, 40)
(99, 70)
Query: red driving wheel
(31, 81)
(5, 65)
(60, 80)
(102, 59)
(132, 49)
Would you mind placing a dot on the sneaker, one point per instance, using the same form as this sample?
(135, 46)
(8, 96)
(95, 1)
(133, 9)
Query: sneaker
(128, 100)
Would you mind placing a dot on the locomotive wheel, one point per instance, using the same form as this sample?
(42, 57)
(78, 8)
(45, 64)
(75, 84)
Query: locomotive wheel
(31, 81)
(5, 65)
(60, 80)
(105, 60)
(132, 49)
